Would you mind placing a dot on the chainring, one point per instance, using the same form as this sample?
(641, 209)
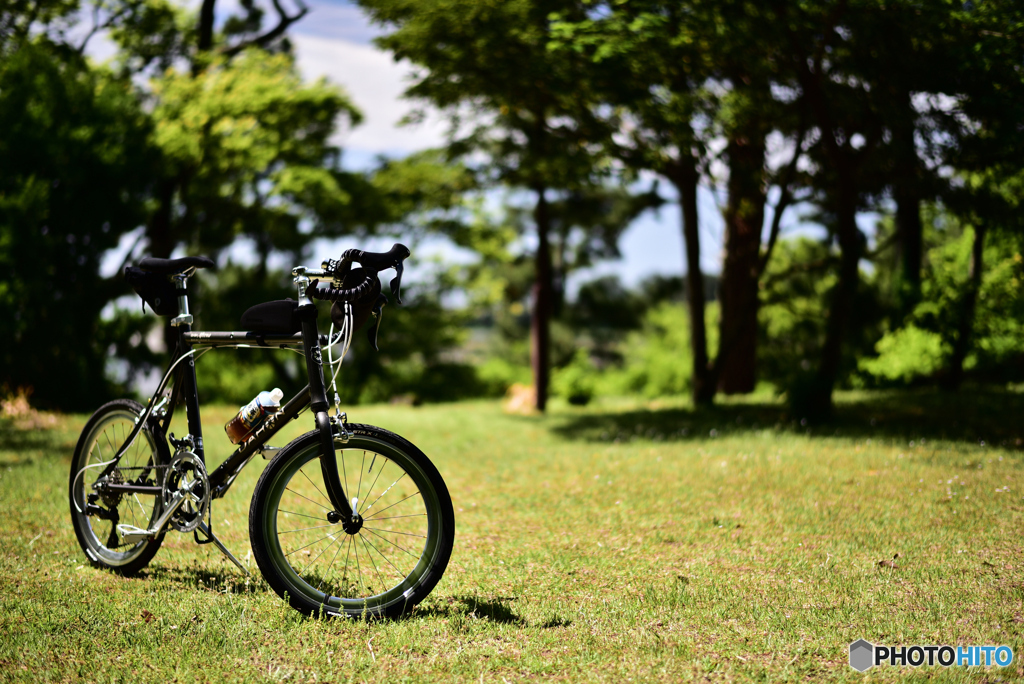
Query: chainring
(187, 474)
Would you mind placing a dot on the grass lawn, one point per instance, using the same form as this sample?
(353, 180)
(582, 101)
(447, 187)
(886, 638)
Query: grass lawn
(627, 541)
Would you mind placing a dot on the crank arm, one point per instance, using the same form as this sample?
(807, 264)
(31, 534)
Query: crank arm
(130, 533)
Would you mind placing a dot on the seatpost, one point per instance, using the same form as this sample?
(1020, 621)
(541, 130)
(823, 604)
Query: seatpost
(318, 397)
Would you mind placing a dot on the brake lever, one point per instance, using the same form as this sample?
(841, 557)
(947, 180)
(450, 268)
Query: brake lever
(378, 314)
(396, 282)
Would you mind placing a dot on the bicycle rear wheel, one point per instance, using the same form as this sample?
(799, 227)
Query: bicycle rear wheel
(382, 569)
(96, 522)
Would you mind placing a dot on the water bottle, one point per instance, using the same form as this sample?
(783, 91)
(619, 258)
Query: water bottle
(252, 415)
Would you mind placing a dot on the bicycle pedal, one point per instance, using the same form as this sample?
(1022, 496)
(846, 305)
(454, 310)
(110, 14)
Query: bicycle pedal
(131, 533)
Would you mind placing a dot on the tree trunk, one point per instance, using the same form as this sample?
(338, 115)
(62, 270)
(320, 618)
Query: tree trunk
(907, 194)
(204, 31)
(161, 242)
(819, 399)
(540, 320)
(962, 344)
(685, 178)
(736, 362)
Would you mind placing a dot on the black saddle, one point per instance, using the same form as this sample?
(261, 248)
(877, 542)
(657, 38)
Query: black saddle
(175, 266)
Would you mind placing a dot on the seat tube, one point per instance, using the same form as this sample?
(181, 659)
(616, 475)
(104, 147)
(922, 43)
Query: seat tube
(319, 405)
(183, 323)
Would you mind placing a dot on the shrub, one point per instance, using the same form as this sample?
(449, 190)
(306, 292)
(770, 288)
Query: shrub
(575, 381)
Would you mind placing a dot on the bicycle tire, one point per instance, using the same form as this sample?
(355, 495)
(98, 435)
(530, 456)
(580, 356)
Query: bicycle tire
(103, 434)
(386, 583)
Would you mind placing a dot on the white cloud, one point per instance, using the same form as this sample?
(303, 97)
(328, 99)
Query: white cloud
(375, 82)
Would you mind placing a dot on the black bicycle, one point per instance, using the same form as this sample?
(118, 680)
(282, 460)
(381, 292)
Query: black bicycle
(345, 520)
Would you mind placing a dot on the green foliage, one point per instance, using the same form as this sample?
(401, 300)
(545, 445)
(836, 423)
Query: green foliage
(250, 140)
(921, 348)
(575, 381)
(656, 357)
(497, 374)
(795, 298)
(77, 163)
(150, 34)
(413, 360)
(906, 354)
(236, 376)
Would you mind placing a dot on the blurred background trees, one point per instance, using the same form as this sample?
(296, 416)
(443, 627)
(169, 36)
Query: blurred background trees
(888, 133)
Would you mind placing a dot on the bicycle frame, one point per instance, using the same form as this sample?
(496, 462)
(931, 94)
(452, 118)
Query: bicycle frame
(185, 389)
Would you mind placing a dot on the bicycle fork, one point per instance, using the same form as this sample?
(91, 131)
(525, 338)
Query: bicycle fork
(343, 511)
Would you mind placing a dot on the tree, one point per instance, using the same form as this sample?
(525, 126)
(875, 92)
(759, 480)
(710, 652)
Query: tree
(651, 65)
(488, 66)
(75, 163)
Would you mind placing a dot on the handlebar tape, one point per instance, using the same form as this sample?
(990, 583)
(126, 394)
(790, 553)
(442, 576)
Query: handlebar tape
(374, 262)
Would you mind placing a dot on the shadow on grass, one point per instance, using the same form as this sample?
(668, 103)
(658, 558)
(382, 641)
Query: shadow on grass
(219, 580)
(474, 607)
(16, 440)
(993, 416)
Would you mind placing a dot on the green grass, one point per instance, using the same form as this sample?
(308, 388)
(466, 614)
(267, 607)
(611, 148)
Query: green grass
(622, 542)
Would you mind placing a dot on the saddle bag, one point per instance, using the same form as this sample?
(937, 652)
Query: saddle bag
(156, 290)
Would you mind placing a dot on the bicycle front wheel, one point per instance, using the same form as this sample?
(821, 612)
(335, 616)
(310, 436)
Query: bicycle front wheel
(382, 569)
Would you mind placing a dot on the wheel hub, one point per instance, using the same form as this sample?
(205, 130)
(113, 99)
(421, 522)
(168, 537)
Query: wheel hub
(353, 524)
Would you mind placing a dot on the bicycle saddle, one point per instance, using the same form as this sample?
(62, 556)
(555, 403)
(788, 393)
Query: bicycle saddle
(175, 266)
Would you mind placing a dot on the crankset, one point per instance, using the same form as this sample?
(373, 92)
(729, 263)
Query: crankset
(185, 495)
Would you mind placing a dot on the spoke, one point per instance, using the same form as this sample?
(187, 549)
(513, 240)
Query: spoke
(383, 465)
(359, 487)
(393, 544)
(407, 534)
(385, 492)
(394, 517)
(138, 443)
(303, 529)
(326, 498)
(142, 509)
(310, 563)
(314, 517)
(348, 554)
(324, 576)
(112, 449)
(391, 506)
(344, 470)
(383, 584)
(307, 499)
(308, 545)
(358, 568)
(384, 557)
